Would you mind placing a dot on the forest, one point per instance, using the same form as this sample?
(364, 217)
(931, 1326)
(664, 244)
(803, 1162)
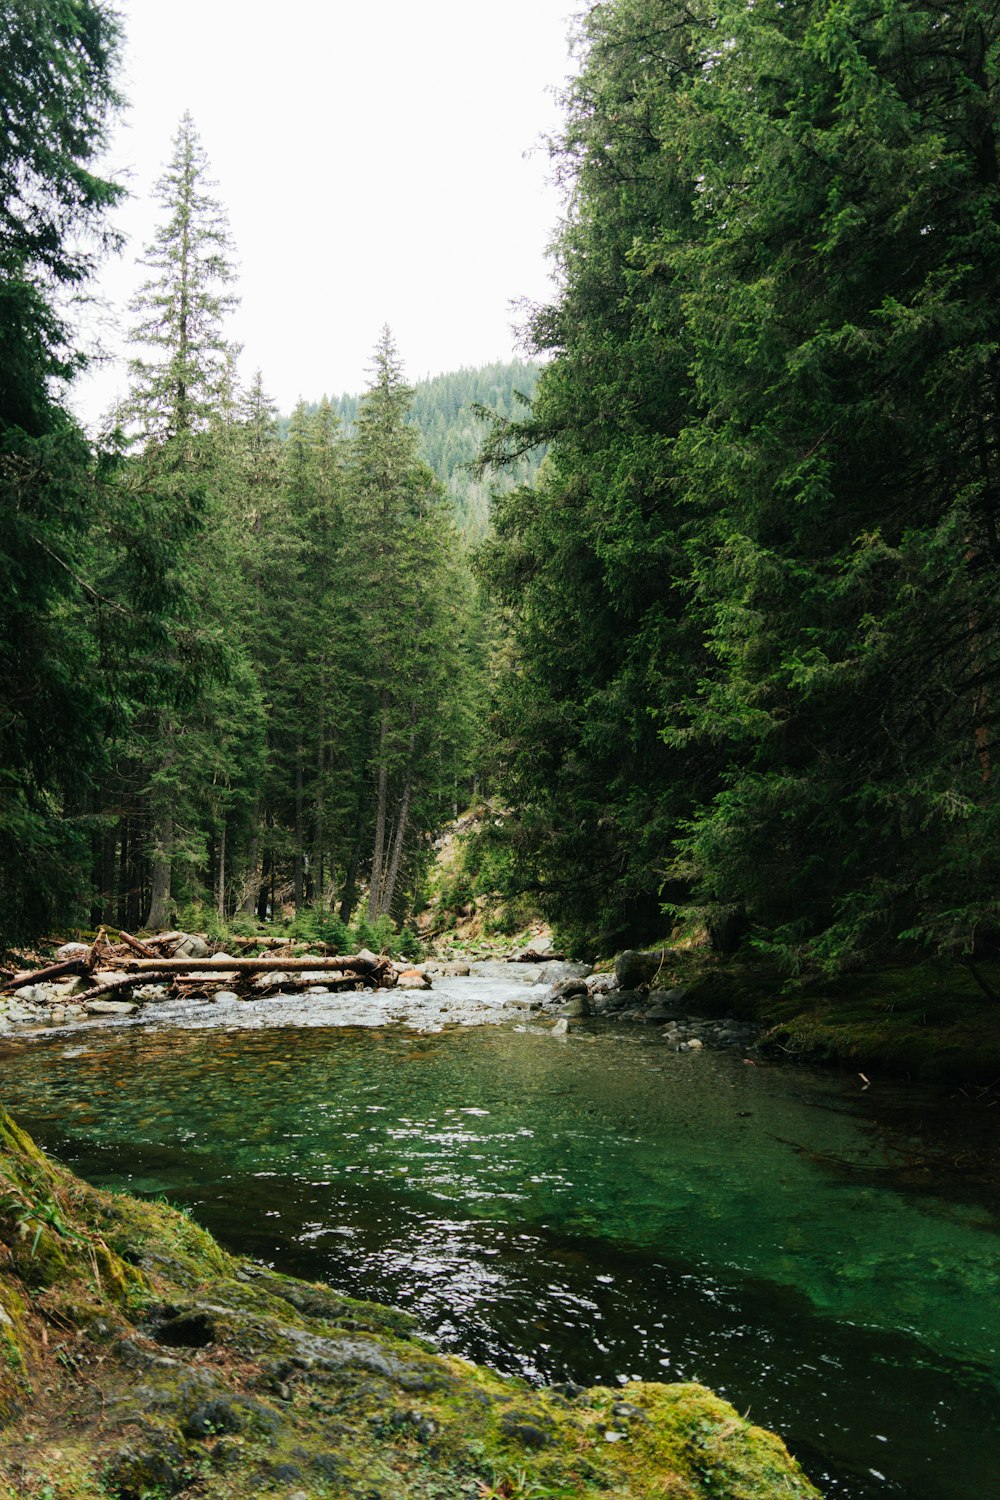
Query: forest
(713, 624)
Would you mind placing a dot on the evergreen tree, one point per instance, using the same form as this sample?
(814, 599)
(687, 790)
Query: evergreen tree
(845, 314)
(589, 566)
(183, 379)
(57, 66)
(179, 398)
(411, 621)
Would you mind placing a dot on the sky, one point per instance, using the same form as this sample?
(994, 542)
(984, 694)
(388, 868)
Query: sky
(380, 163)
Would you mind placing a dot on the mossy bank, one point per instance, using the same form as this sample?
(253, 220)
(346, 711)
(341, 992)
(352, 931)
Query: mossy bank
(138, 1360)
(933, 1021)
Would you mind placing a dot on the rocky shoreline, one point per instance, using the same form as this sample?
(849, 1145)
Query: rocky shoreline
(528, 986)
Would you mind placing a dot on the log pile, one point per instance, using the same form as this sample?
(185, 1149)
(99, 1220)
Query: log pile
(116, 973)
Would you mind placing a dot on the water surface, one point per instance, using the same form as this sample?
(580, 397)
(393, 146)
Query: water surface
(590, 1207)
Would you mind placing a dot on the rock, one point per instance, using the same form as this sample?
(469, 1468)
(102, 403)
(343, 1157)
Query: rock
(110, 1007)
(192, 946)
(670, 997)
(634, 968)
(452, 970)
(151, 992)
(695, 1044)
(270, 981)
(577, 1005)
(413, 979)
(561, 1027)
(36, 993)
(566, 989)
(72, 950)
(227, 956)
(227, 997)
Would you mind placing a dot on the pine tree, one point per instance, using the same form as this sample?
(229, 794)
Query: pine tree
(180, 395)
(57, 66)
(412, 622)
(181, 383)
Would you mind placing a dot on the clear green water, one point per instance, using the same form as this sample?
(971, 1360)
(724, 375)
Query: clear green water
(591, 1207)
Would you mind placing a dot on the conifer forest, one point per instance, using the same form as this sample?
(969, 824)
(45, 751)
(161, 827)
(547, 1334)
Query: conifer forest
(516, 848)
(701, 598)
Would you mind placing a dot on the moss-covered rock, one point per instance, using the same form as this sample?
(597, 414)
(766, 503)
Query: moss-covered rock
(138, 1360)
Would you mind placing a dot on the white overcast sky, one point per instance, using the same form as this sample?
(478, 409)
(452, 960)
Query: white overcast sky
(380, 163)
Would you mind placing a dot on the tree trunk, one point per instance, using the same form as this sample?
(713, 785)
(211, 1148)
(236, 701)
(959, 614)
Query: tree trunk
(351, 875)
(397, 844)
(163, 844)
(220, 902)
(251, 892)
(378, 850)
(299, 872)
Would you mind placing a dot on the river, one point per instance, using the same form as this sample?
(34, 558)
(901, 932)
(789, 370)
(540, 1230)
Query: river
(590, 1206)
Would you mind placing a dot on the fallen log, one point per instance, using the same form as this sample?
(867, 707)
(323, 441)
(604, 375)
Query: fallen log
(143, 949)
(53, 971)
(344, 980)
(266, 942)
(98, 991)
(360, 963)
(163, 939)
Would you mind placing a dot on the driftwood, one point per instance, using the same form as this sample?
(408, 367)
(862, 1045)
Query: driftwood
(81, 965)
(143, 949)
(98, 991)
(266, 942)
(360, 963)
(163, 939)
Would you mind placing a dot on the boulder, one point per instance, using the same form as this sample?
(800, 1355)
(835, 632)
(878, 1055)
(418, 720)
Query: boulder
(634, 968)
(566, 989)
(413, 979)
(72, 950)
(110, 1007)
(577, 1005)
(192, 946)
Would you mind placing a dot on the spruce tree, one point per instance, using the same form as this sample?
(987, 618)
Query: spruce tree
(412, 622)
(57, 68)
(181, 380)
(182, 386)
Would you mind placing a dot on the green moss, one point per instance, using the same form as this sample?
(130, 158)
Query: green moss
(929, 1021)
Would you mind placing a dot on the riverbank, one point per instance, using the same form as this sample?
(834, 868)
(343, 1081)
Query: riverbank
(931, 1022)
(139, 1359)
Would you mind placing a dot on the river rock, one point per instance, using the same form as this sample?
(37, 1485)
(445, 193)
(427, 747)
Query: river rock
(191, 946)
(449, 970)
(634, 968)
(566, 989)
(413, 979)
(72, 950)
(226, 997)
(274, 981)
(577, 1005)
(151, 992)
(669, 997)
(35, 994)
(110, 1007)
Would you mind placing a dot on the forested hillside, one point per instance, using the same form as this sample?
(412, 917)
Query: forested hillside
(752, 601)
(452, 413)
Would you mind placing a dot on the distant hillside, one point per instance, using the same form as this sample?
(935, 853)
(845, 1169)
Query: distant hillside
(451, 433)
